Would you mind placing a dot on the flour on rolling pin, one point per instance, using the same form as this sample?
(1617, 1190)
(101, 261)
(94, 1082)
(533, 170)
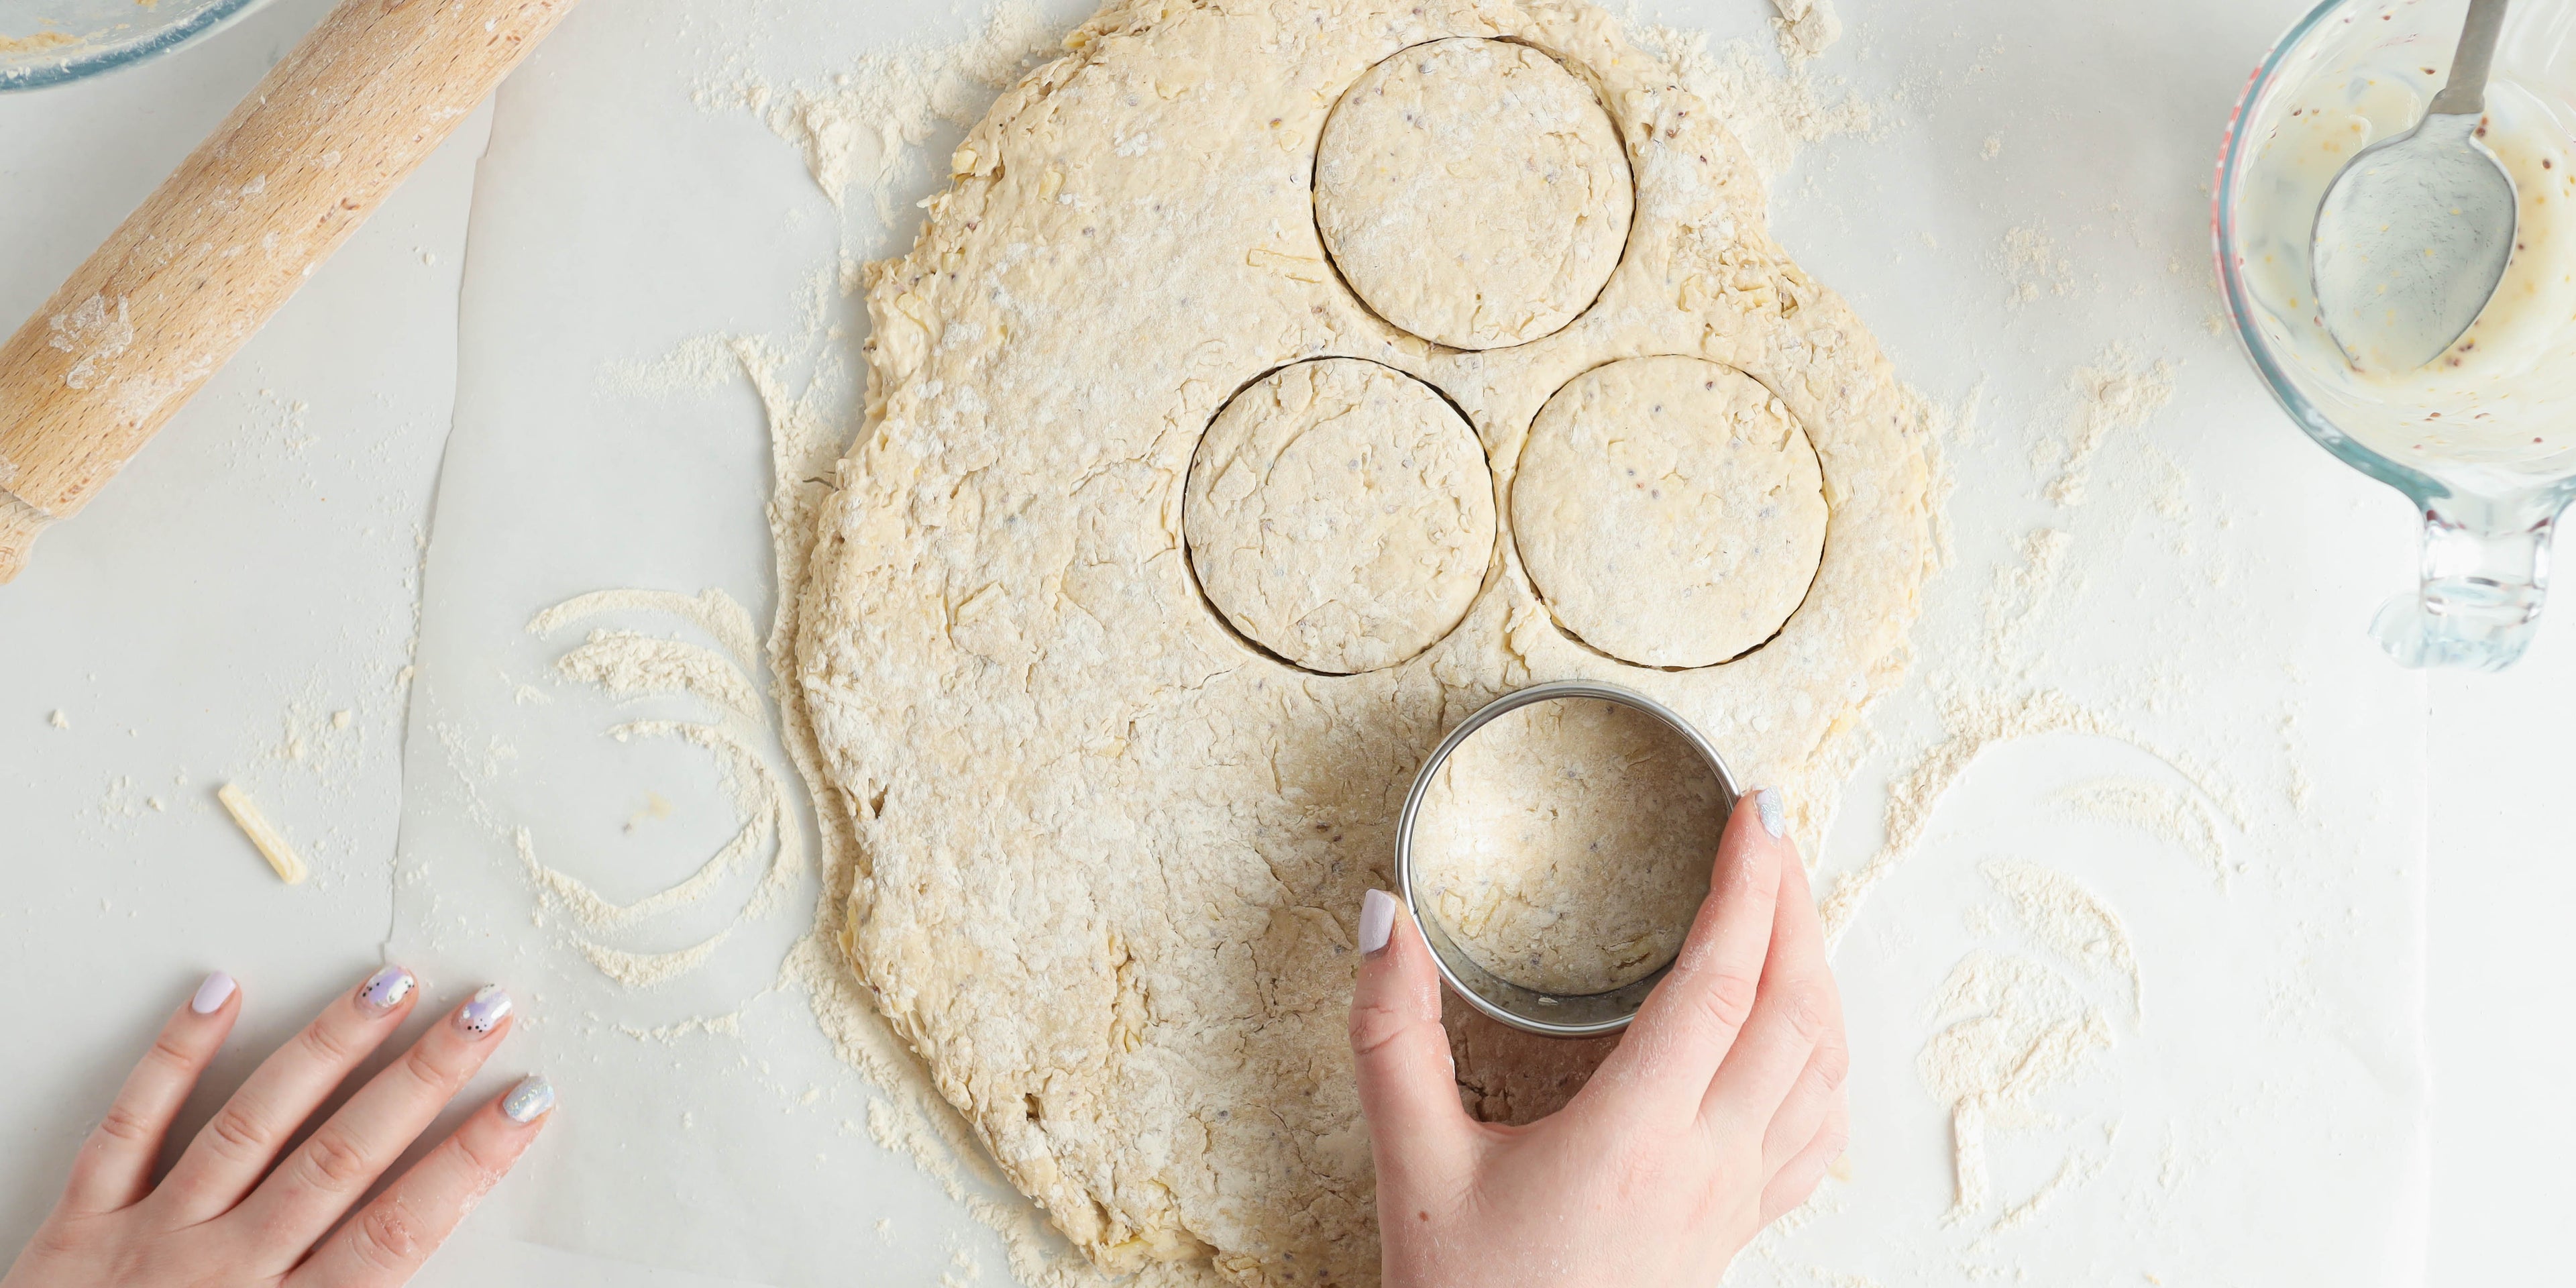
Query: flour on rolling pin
(255, 825)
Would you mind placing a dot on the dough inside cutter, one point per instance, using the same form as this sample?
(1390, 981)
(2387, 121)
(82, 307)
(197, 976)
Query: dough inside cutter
(1566, 846)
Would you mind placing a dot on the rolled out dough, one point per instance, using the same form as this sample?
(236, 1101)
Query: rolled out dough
(1566, 846)
(1669, 510)
(1473, 192)
(1340, 515)
(1105, 859)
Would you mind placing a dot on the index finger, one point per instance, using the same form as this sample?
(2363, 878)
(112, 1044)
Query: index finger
(1690, 1021)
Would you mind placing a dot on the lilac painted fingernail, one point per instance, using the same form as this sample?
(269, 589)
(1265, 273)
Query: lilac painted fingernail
(386, 990)
(1377, 921)
(530, 1100)
(211, 995)
(1775, 816)
(484, 1012)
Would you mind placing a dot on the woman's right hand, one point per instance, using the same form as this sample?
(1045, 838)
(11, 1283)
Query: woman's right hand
(1721, 1108)
(223, 1217)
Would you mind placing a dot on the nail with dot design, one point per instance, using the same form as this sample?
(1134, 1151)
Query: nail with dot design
(529, 1101)
(212, 994)
(386, 990)
(484, 1012)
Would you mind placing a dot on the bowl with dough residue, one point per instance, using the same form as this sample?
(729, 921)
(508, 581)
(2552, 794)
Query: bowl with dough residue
(1555, 848)
(54, 42)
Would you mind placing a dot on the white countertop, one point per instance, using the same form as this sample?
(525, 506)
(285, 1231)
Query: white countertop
(259, 569)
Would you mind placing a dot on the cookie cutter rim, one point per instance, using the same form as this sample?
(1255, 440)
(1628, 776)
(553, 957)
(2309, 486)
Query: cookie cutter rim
(1526, 1009)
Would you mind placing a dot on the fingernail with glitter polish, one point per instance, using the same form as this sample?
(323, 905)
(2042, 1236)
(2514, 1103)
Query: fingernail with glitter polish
(386, 990)
(211, 995)
(529, 1101)
(1377, 921)
(484, 1012)
(1775, 816)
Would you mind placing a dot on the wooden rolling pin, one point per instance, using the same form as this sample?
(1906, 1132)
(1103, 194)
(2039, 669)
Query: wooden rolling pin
(200, 266)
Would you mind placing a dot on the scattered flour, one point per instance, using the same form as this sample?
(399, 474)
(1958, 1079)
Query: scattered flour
(1976, 722)
(863, 130)
(2171, 498)
(1774, 114)
(1806, 29)
(703, 362)
(628, 665)
(644, 970)
(2074, 1173)
(2031, 263)
(712, 611)
(2014, 1028)
(2165, 812)
(2022, 590)
(2072, 923)
(728, 1025)
(2115, 393)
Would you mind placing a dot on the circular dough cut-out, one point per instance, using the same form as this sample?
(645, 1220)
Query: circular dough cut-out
(1669, 510)
(1340, 514)
(1566, 846)
(1473, 192)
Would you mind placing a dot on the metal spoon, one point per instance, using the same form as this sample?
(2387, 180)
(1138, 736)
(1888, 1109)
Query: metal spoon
(2413, 235)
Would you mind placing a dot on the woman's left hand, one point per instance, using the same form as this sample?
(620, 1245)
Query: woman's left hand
(223, 1217)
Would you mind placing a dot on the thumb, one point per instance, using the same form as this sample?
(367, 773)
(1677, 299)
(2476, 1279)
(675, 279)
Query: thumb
(1399, 1053)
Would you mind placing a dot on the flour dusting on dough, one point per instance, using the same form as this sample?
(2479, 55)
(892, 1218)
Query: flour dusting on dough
(802, 385)
(1000, 642)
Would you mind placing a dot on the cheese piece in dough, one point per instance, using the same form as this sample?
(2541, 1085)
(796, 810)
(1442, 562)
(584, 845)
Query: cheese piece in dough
(1669, 510)
(1567, 845)
(1340, 514)
(1473, 192)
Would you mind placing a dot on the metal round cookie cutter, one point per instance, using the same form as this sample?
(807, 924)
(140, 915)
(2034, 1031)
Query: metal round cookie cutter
(1523, 1008)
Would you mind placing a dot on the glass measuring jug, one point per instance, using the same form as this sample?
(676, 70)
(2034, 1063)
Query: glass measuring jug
(2483, 439)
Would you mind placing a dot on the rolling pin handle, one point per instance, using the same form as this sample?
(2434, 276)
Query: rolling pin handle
(19, 524)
